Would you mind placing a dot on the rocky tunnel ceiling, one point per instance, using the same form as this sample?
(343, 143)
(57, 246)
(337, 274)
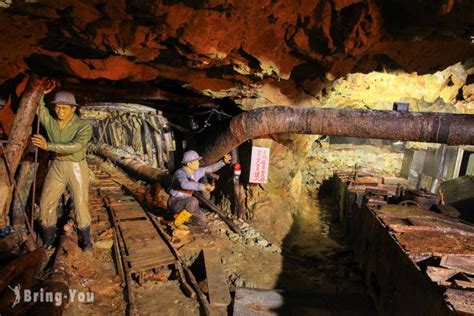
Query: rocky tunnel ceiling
(231, 48)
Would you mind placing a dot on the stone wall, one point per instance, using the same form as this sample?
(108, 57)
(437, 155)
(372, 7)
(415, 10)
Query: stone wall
(300, 164)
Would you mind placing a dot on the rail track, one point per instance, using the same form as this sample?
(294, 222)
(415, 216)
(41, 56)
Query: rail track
(141, 246)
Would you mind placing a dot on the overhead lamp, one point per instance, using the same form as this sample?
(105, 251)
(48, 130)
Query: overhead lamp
(401, 106)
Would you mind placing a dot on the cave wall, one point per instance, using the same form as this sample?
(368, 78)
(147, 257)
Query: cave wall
(228, 48)
(330, 53)
(300, 165)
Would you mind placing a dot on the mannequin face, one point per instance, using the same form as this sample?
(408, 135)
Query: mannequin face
(193, 165)
(64, 112)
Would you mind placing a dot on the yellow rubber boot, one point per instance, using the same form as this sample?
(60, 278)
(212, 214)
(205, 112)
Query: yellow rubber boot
(182, 218)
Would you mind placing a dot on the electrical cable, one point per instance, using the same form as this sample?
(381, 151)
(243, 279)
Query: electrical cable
(211, 112)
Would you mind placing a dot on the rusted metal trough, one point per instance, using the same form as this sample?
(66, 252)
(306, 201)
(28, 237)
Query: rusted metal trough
(415, 262)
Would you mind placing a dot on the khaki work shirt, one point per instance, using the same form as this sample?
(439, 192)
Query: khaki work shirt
(68, 143)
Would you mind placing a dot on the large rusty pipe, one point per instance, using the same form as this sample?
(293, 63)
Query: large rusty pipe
(451, 129)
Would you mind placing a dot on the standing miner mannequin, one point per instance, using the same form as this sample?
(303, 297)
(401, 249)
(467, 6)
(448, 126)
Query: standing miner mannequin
(68, 137)
(186, 180)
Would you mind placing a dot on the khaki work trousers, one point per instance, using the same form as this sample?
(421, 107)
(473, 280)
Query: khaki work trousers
(191, 204)
(75, 175)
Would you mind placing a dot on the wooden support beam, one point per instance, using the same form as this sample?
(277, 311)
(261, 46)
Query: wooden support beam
(219, 294)
(19, 272)
(17, 141)
(21, 129)
(5, 194)
(58, 280)
(20, 200)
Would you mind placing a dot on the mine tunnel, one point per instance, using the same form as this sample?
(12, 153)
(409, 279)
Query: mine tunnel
(226, 157)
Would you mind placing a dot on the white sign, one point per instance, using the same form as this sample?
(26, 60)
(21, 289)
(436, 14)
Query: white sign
(259, 165)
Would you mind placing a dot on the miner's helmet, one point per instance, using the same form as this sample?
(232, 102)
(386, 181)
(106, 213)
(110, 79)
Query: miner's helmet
(64, 97)
(189, 156)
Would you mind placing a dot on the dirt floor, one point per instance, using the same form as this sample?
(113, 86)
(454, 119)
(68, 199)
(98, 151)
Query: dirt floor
(313, 259)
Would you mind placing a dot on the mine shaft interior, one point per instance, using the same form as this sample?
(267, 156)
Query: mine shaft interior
(221, 157)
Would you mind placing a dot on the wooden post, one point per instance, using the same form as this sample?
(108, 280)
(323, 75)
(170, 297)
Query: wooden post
(19, 274)
(148, 142)
(17, 141)
(20, 199)
(239, 198)
(5, 194)
(58, 280)
(239, 193)
(21, 128)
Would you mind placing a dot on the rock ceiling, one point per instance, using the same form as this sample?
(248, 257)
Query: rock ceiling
(230, 47)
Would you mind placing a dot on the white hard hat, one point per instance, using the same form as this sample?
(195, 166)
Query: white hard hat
(64, 97)
(190, 155)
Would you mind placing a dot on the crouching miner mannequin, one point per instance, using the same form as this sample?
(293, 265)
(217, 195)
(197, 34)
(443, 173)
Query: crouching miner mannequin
(68, 136)
(186, 181)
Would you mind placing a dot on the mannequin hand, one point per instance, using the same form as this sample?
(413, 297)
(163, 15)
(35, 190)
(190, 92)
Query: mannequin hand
(39, 141)
(50, 85)
(227, 159)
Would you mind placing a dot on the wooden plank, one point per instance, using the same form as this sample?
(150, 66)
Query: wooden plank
(140, 224)
(131, 232)
(117, 205)
(459, 189)
(111, 189)
(142, 256)
(142, 237)
(150, 265)
(131, 211)
(129, 215)
(120, 197)
(437, 274)
(142, 245)
(133, 227)
(458, 262)
(136, 248)
(150, 260)
(219, 294)
(127, 206)
(255, 302)
(259, 302)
